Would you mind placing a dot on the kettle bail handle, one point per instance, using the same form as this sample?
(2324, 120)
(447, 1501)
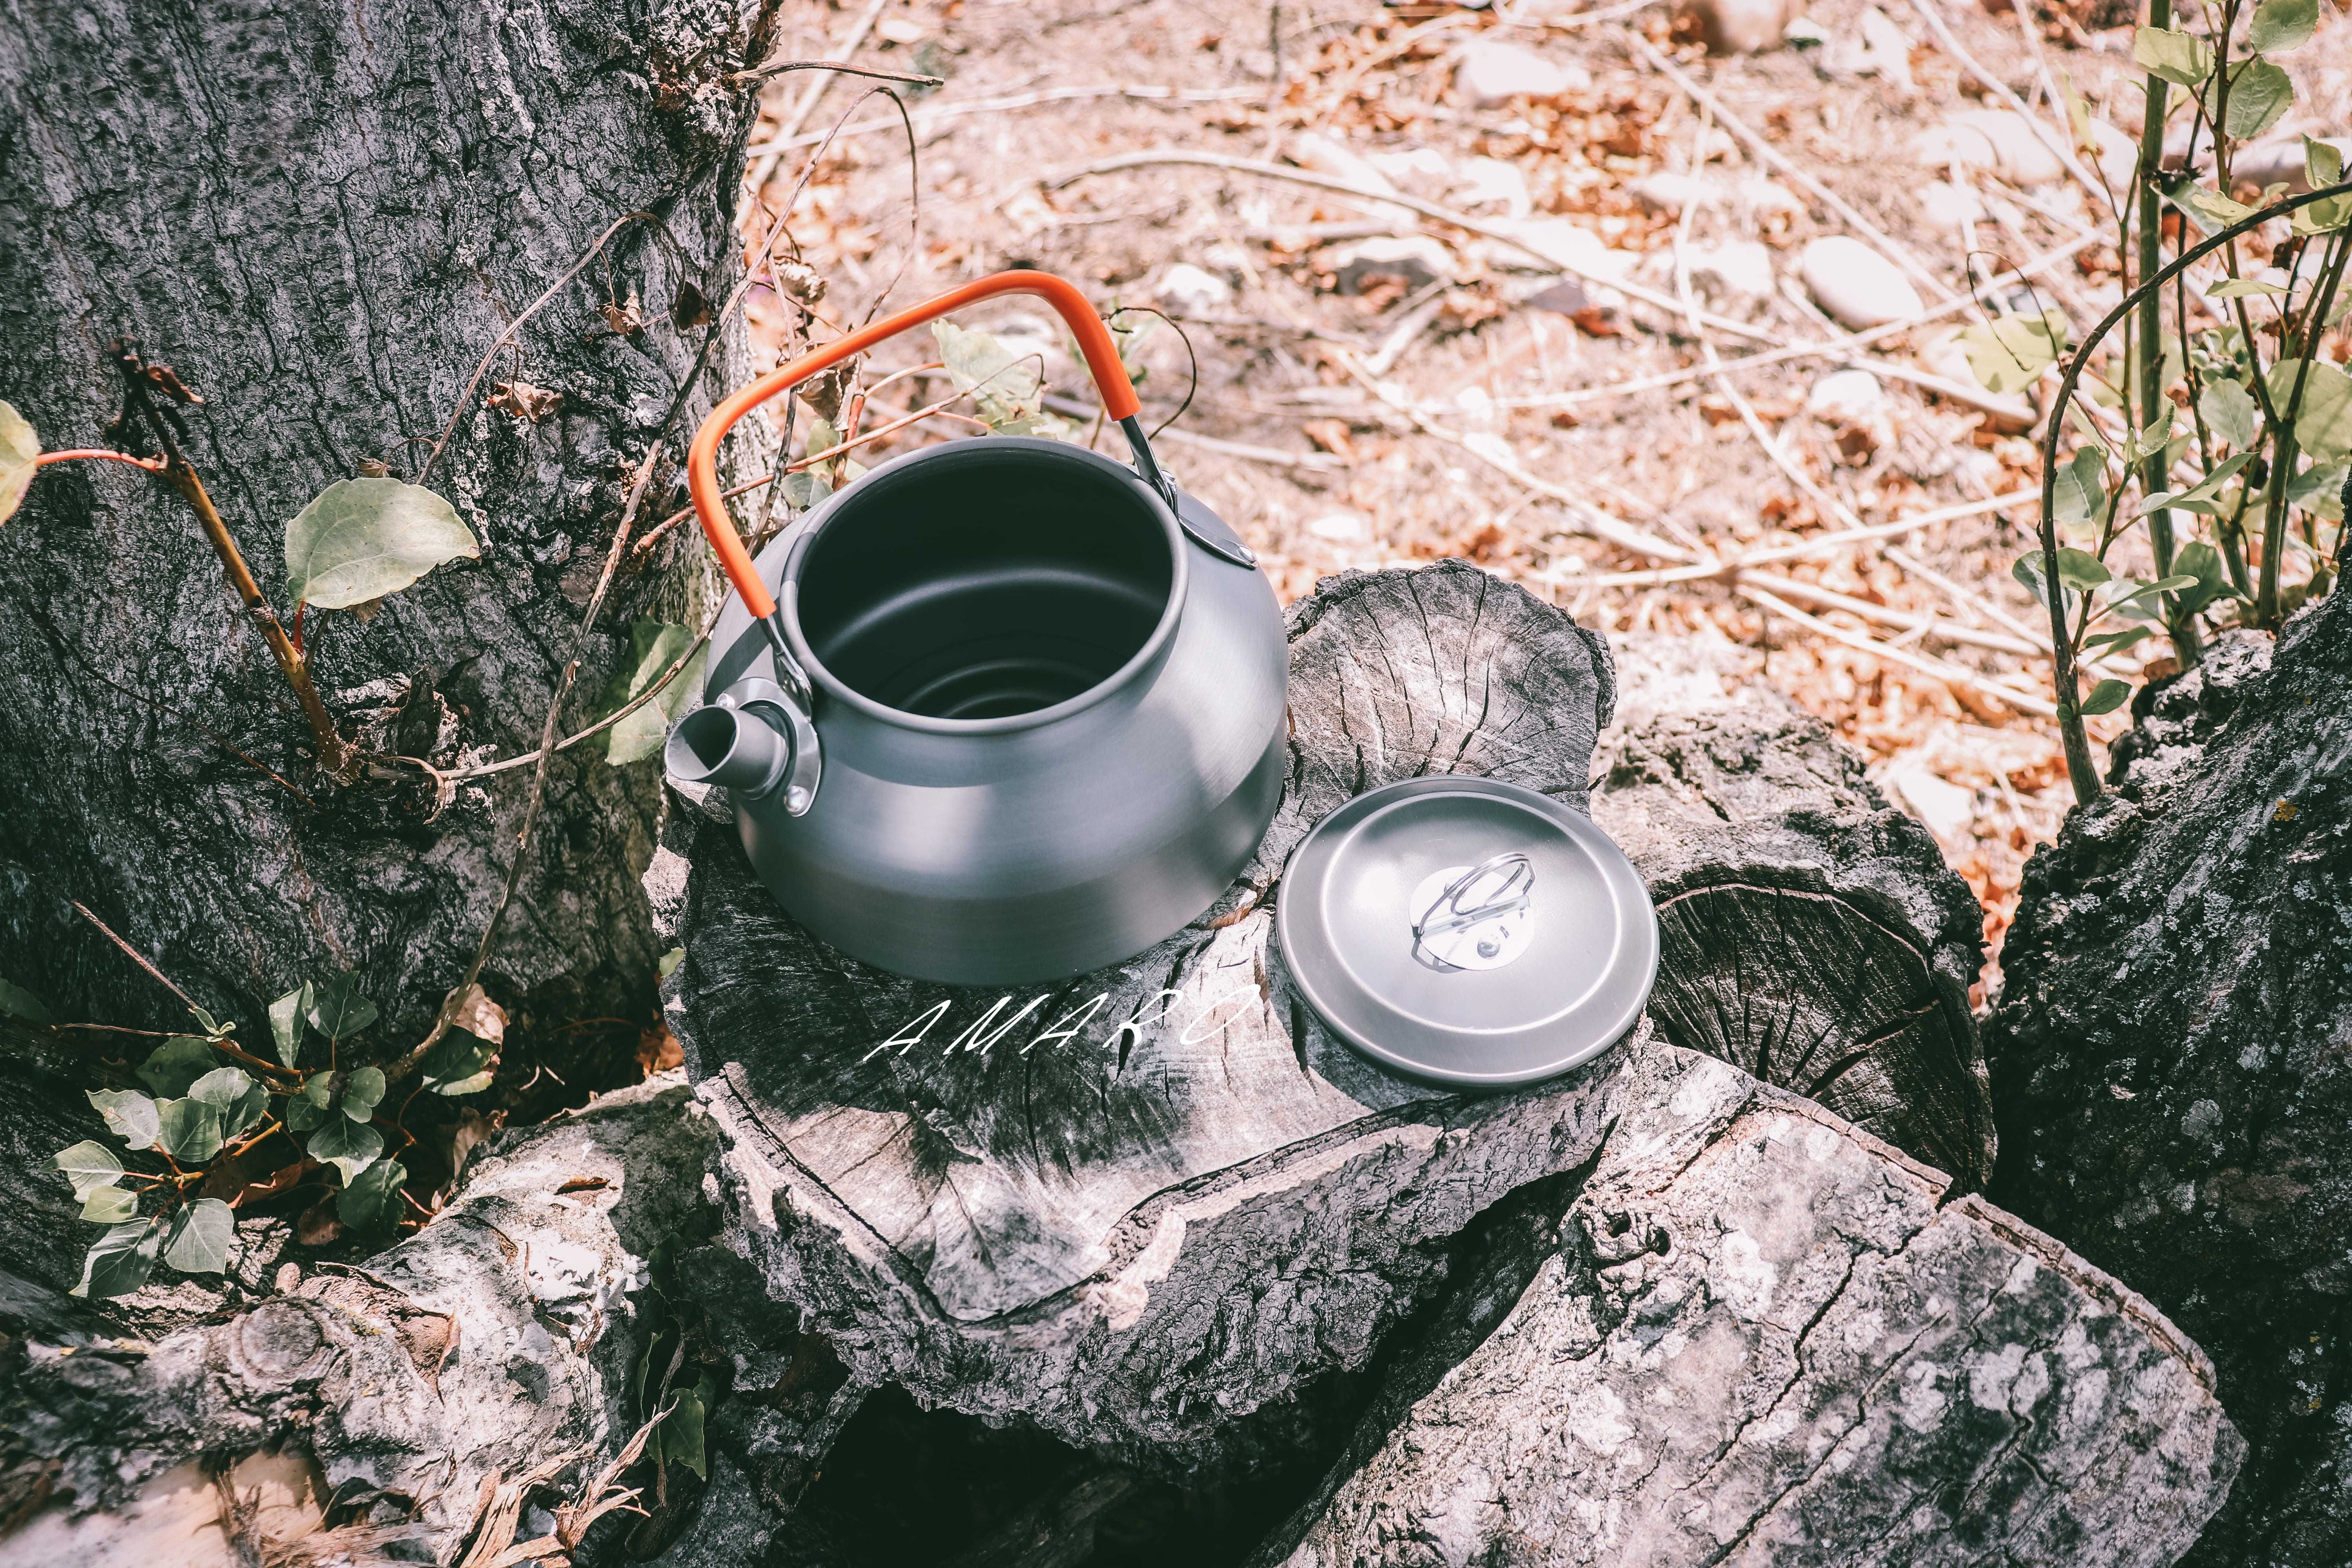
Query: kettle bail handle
(1095, 343)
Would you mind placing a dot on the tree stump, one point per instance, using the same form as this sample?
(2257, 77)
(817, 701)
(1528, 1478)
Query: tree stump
(1808, 932)
(1767, 1338)
(1191, 1204)
(1161, 1239)
(2167, 1054)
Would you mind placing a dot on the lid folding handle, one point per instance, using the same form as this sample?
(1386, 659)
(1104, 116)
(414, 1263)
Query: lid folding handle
(1095, 343)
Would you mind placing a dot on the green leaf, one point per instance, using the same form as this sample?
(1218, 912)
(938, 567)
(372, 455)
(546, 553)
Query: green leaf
(201, 1237)
(19, 449)
(2079, 569)
(2213, 211)
(372, 1202)
(2323, 421)
(2115, 642)
(2325, 217)
(2319, 491)
(301, 1115)
(110, 1206)
(363, 1091)
(350, 1146)
(460, 1064)
(681, 1429)
(337, 1009)
(2204, 563)
(2282, 26)
(14, 999)
(241, 1099)
(653, 646)
(1008, 390)
(2106, 697)
(286, 1023)
(2177, 57)
(2258, 94)
(804, 489)
(130, 1115)
(361, 539)
(121, 1260)
(190, 1130)
(2323, 162)
(2239, 288)
(2007, 354)
(89, 1165)
(2204, 496)
(2081, 491)
(2229, 411)
(2027, 570)
(176, 1063)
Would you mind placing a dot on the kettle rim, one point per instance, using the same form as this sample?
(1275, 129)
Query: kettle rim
(1143, 660)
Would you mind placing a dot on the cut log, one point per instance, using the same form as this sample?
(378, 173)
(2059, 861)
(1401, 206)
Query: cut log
(1144, 1210)
(1808, 932)
(1767, 1338)
(324, 218)
(494, 1342)
(1167, 1240)
(2167, 1054)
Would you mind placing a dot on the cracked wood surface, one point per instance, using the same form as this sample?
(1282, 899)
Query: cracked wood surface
(1141, 1236)
(498, 1338)
(1808, 932)
(2170, 1054)
(323, 217)
(1768, 1338)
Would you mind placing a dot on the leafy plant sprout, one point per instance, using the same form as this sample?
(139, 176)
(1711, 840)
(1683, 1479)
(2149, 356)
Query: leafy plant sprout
(2258, 477)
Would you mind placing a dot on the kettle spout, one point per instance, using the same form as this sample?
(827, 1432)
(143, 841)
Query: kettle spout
(739, 748)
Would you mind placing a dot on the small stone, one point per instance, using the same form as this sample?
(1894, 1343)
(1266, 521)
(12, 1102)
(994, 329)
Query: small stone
(2001, 139)
(1192, 291)
(1322, 156)
(1418, 163)
(1666, 192)
(1950, 205)
(1738, 27)
(1418, 260)
(1339, 528)
(1948, 810)
(1854, 284)
(1490, 74)
(1743, 268)
(289, 1276)
(1487, 182)
(1846, 394)
(899, 30)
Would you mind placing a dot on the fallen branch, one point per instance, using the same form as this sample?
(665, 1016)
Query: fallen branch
(778, 68)
(928, 113)
(1820, 544)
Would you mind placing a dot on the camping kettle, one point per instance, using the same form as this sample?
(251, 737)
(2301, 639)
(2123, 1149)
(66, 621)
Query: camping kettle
(1001, 709)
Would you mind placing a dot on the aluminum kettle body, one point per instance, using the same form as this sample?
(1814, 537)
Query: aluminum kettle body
(1043, 722)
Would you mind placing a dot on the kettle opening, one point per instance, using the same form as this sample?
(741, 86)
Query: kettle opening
(988, 579)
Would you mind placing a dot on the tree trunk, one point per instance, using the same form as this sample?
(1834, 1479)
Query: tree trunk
(322, 217)
(2167, 1054)
(1766, 1338)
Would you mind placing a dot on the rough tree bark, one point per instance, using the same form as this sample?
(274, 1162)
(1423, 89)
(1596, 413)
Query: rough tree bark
(322, 217)
(2168, 1054)
(1762, 1341)
(1170, 1243)
(498, 1339)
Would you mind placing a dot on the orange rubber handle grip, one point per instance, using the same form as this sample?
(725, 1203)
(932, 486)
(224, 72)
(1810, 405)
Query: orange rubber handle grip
(702, 458)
